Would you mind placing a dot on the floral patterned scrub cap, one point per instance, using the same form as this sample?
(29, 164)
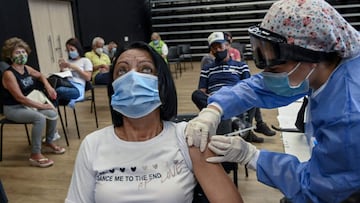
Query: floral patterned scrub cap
(313, 24)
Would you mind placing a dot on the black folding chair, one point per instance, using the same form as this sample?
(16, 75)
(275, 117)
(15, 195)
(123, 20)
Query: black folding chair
(91, 98)
(174, 60)
(185, 54)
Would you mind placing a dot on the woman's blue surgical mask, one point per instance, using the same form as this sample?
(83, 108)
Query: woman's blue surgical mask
(135, 94)
(73, 54)
(113, 50)
(156, 42)
(279, 83)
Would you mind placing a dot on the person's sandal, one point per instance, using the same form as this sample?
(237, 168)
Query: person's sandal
(55, 150)
(42, 162)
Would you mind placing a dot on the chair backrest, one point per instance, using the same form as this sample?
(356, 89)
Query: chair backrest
(88, 86)
(1, 94)
(173, 52)
(185, 48)
(184, 117)
(3, 67)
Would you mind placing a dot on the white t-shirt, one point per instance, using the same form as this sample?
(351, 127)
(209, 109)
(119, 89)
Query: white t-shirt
(110, 170)
(85, 65)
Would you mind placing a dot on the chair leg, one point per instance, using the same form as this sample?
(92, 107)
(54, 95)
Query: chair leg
(63, 127)
(96, 118)
(179, 64)
(175, 69)
(93, 106)
(65, 134)
(92, 100)
(76, 123)
(65, 117)
(27, 134)
(191, 62)
(235, 176)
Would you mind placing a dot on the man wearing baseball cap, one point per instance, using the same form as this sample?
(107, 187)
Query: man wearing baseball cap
(219, 72)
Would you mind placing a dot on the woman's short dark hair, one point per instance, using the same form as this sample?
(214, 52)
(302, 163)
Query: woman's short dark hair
(167, 90)
(76, 43)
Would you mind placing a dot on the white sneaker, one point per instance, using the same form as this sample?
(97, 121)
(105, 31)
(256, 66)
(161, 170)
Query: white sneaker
(56, 137)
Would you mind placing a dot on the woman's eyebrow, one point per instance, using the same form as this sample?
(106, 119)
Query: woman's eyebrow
(120, 62)
(146, 61)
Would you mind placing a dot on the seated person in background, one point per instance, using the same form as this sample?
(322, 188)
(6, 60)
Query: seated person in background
(17, 82)
(81, 70)
(234, 53)
(261, 126)
(207, 59)
(159, 45)
(223, 71)
(101, 62)
(143, 156)
(110, 49)
(218, 69)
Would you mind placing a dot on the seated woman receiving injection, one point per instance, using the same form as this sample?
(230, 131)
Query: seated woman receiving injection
(143, 157)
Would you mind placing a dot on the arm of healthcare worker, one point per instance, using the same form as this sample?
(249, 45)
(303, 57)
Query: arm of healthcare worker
(280, 171)
(232, 101)
(233, 149)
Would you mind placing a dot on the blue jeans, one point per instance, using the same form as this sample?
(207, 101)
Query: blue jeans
(67, 93)
(200, 100)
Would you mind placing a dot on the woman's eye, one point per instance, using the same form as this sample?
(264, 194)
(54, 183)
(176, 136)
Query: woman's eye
(121, 71)
(20, 52)
(146, 69)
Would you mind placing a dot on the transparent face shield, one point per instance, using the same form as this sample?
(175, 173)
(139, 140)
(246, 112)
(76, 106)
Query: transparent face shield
(270, 49)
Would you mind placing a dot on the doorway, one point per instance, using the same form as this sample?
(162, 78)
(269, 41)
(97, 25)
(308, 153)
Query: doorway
(53, 25)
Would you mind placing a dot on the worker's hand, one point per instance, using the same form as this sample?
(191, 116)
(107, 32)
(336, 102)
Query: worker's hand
(231, 149)
(199, 128)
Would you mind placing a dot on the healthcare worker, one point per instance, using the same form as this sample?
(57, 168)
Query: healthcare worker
(304, 47)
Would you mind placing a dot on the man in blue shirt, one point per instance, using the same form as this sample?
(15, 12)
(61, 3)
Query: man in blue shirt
(220, 72)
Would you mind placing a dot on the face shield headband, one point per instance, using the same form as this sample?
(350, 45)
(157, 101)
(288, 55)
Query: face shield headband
(270, 49)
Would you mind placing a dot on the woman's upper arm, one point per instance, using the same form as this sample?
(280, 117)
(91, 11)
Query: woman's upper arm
(216, 184)
(33, 72)
(10, 83)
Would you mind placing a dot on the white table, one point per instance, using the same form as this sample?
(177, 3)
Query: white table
(294, 143)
